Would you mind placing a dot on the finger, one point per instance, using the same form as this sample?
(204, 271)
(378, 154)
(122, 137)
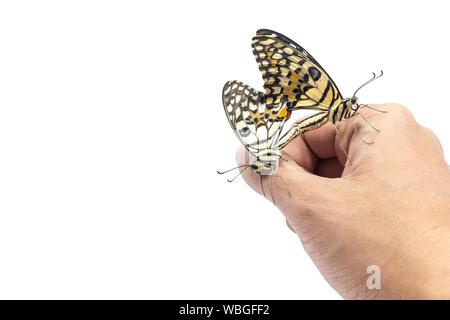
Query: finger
(292, 186)
(331, 141)
(322, 141)
(429, 133)
(299, 152)
(306, 150)
(313, 145)
(356, 134)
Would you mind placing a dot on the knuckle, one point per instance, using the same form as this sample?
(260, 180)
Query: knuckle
(431, 135)
(427, 130)
(403, 114)
(401, 109)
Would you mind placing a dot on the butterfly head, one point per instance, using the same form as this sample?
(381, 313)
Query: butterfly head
(264, 168)
(348, 108)
(352, 106)
(266, 162)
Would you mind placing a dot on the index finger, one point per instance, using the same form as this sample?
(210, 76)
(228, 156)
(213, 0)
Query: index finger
(306, 150)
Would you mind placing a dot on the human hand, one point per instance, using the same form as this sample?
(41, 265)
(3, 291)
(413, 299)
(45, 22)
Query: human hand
(388, 206)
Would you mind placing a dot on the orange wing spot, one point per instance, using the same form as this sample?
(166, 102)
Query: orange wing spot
(288, 115)
(294, 77)
(283, 112)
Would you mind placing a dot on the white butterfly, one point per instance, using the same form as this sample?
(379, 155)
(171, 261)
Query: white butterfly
(258, 128)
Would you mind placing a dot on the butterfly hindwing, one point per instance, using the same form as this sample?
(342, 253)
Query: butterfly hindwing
(291, 73)
(257, 127)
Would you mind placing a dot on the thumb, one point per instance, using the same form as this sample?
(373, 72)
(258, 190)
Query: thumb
(292, 188)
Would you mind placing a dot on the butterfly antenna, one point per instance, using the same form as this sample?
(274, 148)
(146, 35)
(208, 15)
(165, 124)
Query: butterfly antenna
(222, 172)
(374, 77)
(237, 175)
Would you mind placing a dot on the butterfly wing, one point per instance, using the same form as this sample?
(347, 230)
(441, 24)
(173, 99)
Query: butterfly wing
(257, 127)
(291, 73)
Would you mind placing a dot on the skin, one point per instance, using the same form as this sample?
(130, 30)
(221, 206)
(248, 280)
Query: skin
(387, 205)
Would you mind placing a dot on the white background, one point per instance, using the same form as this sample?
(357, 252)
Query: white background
(112, 128)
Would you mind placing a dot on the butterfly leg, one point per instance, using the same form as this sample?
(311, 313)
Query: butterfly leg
(367, 121)
(356, 133)
(343, 149)
(372, 108)
(310, 123)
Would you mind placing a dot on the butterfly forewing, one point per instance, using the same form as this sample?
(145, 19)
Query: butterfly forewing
(290, 72)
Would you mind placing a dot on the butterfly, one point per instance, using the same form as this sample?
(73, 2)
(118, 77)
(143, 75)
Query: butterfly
(291, 74)
(257, 127)
(293, 80)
